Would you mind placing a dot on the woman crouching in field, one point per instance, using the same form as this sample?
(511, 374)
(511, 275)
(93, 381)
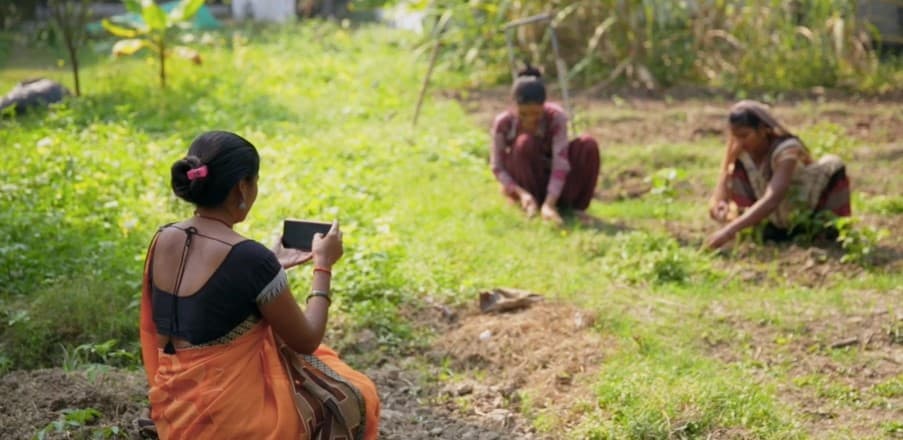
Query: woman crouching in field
(532, 158)
(769, 175)
(228, 352)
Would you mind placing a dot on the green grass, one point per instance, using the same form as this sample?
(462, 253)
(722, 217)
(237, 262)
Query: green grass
(85, 185)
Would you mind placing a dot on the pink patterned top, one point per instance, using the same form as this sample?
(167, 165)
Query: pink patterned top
(552, 133)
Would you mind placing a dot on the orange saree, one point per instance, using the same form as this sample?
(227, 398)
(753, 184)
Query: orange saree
(243, 389)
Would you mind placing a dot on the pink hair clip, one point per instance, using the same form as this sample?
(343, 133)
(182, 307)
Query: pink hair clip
(197, 173)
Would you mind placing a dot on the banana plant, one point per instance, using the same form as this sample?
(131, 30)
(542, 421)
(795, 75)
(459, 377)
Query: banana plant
(155, 31)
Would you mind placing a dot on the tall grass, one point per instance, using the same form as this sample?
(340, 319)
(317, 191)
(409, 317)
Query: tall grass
(751, 45)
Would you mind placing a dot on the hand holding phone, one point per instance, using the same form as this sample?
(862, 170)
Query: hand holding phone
(328, 249)
(299, 234)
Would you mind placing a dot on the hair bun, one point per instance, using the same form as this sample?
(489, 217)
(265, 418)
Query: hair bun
(193, 160)
(181, 185)
(528, 71)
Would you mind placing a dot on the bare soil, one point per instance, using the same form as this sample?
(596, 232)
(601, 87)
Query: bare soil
(833, 360)
(636, 120)
(32, 400)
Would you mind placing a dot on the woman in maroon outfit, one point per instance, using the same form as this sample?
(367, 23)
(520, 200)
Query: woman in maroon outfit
(533, 159)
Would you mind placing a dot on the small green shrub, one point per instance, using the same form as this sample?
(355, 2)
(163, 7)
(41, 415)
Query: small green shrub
(858, 242)
(65, 321)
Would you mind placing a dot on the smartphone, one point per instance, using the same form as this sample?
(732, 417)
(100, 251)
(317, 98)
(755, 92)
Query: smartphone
(299, 234)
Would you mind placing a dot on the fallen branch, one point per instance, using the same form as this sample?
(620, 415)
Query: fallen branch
(845, 342)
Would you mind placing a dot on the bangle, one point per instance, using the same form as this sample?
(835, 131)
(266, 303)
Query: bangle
(322, 269)
(320, 293)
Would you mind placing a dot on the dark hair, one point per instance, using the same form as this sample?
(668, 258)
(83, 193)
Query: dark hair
(745, 118)
(528, 87)
(228, 158)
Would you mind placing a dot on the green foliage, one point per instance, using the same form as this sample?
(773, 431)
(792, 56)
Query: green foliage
(884, 204)
(827, 138)
(63, 321)
(892, 428)
(665, 184)
(858, 242)
(105, 354)
(891, 389)
(156, 32)
(76, 423)
(639, 257)
(686, 400)
(654, 44)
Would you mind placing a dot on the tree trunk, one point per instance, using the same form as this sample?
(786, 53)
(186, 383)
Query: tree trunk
(73, 58)
(162, 63)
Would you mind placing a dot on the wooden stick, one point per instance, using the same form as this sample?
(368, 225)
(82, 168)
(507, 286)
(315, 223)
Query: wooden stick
(845, 342)
(426, 80)
(440, 28)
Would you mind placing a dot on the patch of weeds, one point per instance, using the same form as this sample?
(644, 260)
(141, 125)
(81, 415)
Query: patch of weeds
(883, 204)
(891, 389)
(64, 321)
(894, 429)
(93, 355)
(637, 257)
(546, 419)
(689, 398)
(827, 138)
(77, 423)
(839, 393)
(858, 242)
(665, 184)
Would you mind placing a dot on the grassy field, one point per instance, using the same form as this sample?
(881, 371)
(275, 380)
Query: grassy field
(742, 344)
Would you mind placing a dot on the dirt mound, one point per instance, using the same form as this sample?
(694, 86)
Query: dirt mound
(549, 352)
(33, 400)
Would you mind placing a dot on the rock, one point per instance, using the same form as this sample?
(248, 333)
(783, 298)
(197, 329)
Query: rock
(390, 414)
(458, 389)
(436, 431)
(499, 417)
(33, 93)
(366, 341)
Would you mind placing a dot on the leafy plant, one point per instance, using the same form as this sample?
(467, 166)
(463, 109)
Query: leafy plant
(71, 18)
(104, 353)
(858, 243)
(156, 31)
(76, 420)
(664, 185)
(827, 138)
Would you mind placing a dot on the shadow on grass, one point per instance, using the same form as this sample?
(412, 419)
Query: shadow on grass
(589, 221)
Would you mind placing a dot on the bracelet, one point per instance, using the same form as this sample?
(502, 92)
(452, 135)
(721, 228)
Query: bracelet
(320, 293)
(323, 269)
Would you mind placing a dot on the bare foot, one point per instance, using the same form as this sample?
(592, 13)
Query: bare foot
(584, 218)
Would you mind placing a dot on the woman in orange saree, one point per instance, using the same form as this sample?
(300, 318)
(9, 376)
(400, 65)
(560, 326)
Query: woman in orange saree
(227, 350)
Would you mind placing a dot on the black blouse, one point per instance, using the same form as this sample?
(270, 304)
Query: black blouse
(249, 275)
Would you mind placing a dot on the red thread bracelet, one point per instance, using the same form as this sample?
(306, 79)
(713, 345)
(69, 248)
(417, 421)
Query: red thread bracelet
(324, 270)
